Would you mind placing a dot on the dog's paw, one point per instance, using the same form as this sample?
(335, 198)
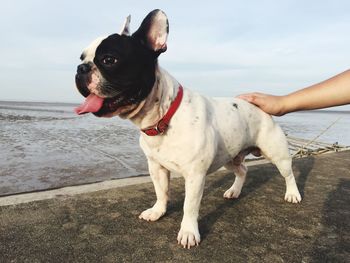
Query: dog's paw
(151, 214)
(292, 197)
(232, 193)
(188, 238)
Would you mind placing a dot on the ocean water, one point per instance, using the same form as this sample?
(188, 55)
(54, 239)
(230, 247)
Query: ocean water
(45, 145)
(325, 125)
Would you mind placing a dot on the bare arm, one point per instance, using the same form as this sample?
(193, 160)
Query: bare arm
(332, 92)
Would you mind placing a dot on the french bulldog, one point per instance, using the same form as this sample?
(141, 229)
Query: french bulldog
(181, 131)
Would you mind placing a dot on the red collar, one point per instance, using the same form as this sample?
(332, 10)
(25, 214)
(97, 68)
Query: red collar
(162, 125)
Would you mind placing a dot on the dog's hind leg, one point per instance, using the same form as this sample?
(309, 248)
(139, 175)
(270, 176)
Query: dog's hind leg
(240, 171)
(160, 177)
(274, 146)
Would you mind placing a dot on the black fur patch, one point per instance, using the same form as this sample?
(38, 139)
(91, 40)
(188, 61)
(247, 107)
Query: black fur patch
(134, 72)
(82, 56)
(128, 65)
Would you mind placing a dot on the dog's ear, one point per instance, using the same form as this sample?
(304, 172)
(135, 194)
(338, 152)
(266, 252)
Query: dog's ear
(125, 30)
(153, 31)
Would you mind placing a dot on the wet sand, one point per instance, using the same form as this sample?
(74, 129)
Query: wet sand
(46, 146)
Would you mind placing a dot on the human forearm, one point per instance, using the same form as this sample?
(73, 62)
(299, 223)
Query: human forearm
(332, 92)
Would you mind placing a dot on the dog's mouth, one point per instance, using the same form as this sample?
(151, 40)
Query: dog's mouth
(102, 106)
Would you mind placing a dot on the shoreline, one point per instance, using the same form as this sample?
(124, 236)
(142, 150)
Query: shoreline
(74, 104)
(26, 197)
(69, 191)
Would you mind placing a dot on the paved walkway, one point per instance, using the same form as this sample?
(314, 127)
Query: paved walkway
(103, 226)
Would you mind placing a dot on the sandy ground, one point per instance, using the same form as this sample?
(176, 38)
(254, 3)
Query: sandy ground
(258, 227)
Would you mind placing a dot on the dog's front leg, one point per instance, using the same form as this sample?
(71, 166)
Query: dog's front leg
(160, 177)
(189, 234)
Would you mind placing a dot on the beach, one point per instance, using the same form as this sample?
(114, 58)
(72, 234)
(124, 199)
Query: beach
(46, 146)
(259, 226)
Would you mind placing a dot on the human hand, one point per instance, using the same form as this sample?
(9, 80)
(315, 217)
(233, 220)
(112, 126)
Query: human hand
(269, 103)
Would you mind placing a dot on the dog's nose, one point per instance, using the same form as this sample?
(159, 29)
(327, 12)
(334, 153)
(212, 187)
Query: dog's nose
(83, 68)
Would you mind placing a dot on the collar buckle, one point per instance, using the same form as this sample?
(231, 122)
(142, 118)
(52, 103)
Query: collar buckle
(163, 124)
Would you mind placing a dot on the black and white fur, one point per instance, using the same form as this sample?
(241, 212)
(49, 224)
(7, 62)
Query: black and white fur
(204, 134)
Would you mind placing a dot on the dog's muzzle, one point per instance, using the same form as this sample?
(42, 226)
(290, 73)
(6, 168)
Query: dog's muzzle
(84, 68)
(83, 78)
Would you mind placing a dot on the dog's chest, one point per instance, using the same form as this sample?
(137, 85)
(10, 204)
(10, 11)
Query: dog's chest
(166, 154)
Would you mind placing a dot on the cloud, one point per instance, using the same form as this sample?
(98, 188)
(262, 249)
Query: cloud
(218, 49)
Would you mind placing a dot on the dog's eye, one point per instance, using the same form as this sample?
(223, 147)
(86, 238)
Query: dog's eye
(109, 60)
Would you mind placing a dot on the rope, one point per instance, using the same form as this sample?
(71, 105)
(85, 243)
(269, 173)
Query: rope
(319, 135)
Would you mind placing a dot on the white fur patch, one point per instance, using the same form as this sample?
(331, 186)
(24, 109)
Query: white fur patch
(90, 50)
(95, 82)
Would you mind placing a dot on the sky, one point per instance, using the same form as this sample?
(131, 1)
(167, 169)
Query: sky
(218, 48)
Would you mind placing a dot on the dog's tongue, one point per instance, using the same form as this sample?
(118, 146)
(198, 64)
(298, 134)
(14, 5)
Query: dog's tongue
(92, 103)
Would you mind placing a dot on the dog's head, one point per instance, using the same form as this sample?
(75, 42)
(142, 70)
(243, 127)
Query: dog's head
(118, 72)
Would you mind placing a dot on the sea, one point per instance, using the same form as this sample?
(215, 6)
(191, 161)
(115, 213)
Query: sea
(46, 146)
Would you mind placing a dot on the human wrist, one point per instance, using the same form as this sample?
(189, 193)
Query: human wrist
(285, 104)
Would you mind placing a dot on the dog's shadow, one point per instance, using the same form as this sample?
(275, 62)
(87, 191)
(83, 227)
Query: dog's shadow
(208, 220)
(302, 168)
(214, 191)
(213, 194)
